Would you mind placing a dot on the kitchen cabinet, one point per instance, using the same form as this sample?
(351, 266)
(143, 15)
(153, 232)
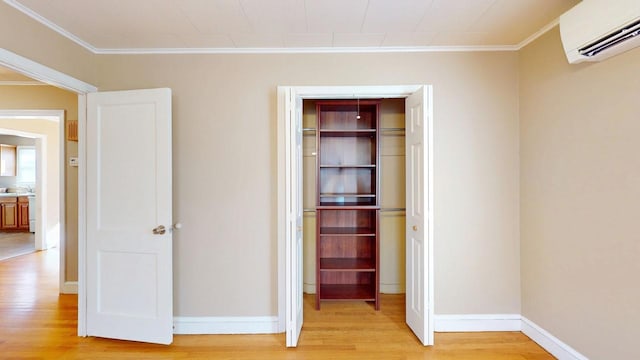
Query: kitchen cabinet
(7, 160)
(23, 213)
(9, 213)
(347, 198)
(14, 213)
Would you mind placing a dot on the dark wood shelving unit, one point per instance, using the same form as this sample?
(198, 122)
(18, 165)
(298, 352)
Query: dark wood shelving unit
(348, 193)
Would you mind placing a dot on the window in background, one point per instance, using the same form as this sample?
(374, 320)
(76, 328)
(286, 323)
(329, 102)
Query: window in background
(26, 166)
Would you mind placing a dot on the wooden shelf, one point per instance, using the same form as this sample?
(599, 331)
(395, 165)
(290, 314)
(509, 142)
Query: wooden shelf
(329, 205)
(347, 231)
(347, 195)
(347, 264)
(348, 292)
(347, 200)
(366, 166)
(348, 133)
(325, 204)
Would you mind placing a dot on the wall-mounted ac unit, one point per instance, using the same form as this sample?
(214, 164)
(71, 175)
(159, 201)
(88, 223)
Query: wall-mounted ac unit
(594, 30)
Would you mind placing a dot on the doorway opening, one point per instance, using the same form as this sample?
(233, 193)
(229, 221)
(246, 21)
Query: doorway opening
(17, 194)
(419, 195)
(38, 190)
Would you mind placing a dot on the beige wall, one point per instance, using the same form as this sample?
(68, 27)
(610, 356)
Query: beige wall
(580, 196)
(392, 196)
(50, 98)
(225, 169)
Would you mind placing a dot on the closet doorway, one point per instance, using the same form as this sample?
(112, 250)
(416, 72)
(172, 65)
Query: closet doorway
(406, 107)
(391, 167)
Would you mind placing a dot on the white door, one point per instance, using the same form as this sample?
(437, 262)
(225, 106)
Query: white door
(294, 305)
(129, 216)
(419, 224)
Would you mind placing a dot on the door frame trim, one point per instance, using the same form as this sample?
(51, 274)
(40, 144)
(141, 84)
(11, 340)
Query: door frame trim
(340, 92)
(61, 80)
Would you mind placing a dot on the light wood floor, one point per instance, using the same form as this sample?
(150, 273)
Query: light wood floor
(37, 323)
(16, 243)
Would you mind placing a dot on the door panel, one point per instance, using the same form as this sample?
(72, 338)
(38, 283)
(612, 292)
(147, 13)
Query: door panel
(294, 246)
(418, 226)
(129, 267)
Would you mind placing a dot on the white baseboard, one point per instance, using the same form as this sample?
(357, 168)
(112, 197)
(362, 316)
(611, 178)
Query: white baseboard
(269, 324)
(225, 325)
(443, 323)
(549, 342)
(477, 322)
(69, 287)
(507, 322)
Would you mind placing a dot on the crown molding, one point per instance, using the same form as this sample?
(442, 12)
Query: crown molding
(313, 50)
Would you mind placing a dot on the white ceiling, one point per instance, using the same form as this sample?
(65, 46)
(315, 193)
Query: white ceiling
(112, 26)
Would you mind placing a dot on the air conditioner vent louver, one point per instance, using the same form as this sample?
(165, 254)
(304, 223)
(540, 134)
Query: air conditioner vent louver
(618, 37)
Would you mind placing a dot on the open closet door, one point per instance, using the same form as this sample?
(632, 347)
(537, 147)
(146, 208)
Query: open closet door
(293, 184)
(419, 220)
(129, 292)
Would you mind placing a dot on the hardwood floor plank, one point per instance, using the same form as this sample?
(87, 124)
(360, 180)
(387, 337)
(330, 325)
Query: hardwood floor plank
(38, 323)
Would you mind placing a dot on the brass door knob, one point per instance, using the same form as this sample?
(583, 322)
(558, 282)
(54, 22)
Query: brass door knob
(160, 230)
(415, 227)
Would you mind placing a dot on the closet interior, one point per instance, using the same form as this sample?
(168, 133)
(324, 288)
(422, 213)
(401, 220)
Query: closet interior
(354, 185)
